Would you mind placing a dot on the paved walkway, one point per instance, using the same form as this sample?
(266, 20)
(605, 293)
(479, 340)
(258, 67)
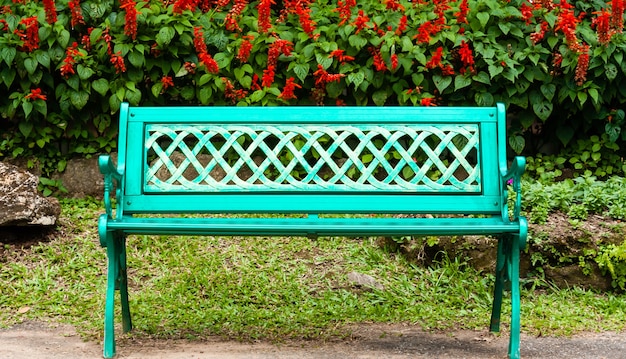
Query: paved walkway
(36, 340)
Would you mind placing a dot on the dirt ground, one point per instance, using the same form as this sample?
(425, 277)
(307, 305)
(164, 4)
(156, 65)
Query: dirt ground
(38, 340)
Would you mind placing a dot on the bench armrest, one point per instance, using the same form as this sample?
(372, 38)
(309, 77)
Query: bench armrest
(113, 181)
(513, 177)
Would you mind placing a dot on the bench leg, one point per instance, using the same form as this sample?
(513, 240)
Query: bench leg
(116, 280)
(507, 274)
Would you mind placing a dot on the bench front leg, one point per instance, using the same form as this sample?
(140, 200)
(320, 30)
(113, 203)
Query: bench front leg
(116, 280)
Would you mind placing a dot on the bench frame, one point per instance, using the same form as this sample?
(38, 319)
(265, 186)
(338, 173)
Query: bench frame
(138, 190)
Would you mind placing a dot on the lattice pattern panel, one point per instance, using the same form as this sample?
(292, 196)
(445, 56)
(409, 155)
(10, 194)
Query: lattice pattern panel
(395, 158)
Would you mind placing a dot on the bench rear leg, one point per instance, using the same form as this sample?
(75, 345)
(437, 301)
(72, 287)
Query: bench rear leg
(507, 274)
(116, 280)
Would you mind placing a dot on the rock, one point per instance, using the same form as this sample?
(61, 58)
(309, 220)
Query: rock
(82, 177)
(364, 280)
(20, 202)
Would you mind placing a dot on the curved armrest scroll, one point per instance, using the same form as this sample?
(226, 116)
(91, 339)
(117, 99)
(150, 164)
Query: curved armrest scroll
(113, 181)
(513, 177)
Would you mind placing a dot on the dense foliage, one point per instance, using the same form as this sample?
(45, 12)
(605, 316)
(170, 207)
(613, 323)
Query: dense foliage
(66, 65)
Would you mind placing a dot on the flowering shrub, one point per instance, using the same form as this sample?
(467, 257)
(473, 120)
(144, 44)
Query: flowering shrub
(66, 65)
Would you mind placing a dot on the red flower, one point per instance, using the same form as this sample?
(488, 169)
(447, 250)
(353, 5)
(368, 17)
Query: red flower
(428, 101)
(264, 19)
(394, 5)
(50, 10)
(167, 82)
(425, 30)
(118, 61)
(231, 18)
(209, 62)
(402, 25)
(290, 86)
(394, 61)
(461, 16)
(245, 48)
(338, 54)
(308, 25)
(31, 36)
(182, 5)
(581, 67)
(361, 22)
(527, 13)
(71, 53)
(435, 60)
(603, 27)
(268, 76)
(231, 93)
(379, 63)
(198, 40)
(345, 10)
(536, 37)
(617, 15)
(130, 26)
(76, 12)
(35, 94)
(467, 58)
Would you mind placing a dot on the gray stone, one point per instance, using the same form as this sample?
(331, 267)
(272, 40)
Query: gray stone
(20, 202)
(364, 280)
(82, 177)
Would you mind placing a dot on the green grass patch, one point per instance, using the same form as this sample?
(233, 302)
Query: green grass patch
(267, 288)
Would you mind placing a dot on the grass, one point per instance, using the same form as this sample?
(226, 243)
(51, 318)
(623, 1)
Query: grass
(267, 288)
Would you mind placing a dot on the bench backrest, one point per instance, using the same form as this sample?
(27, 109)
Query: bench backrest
(312, 159)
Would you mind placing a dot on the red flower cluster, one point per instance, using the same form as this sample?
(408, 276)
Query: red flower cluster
(205, 59)
(31, 35)
(35, 94)
(467, 58)
(394, 5)
(288, 90)
(379, 63)
(536, 37)
(435, 60)
(322, 77)
(182, 5)
(581, 67)
(71, 53)
(567, 23)
(130, 27)
(345, 10)
(245, 48)
(402, 25)
(617, 15)
(230, 22)
(428, 101)
(527, 13)
(338, 54)
(50, 10)
(394, 61)
(461, 16)
(276, 48)
(118, 61)
(264, 18)
(361, 22)
(167, 83)
(231, 93)
(426, 30)
(602, 23)
(76, 13)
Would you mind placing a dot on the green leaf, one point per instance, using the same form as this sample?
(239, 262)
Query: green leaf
(84, 72)
(257, 96)
(483, 17)
(43, 58)
(133, 97)
(63, 38)
(25, 127)
(204, 79)
(582, 97)
(610, 71)
(460, 81)
(484, 99)
(156, 89)
(204, 95)
(30, 65)
(565, 134)
(495, 70)
(8, 54)
(165, 36)
(136, 58)
(548, 91)
(594, 94)
(27, 106)
(79, 99)
(302, 71)
(442, 82)
(101, 86)
(357, 41)
(380, 97)
(517, 143)
(356, 78)
(482, 77)
(542, 109)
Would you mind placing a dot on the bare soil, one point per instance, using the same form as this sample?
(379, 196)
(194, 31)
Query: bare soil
(39, 340)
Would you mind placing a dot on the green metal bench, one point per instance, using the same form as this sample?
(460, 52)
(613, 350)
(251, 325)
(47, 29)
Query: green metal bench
(314, 163)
